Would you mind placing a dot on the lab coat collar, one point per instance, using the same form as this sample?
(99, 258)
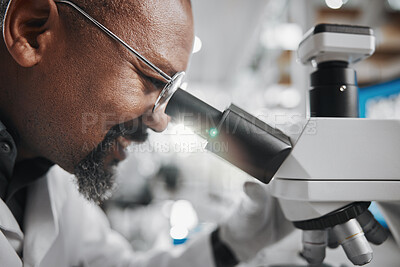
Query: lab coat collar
(8, 222)
(9, 229)
(41, 222)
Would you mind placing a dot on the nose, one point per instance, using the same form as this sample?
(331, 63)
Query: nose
(157, 120)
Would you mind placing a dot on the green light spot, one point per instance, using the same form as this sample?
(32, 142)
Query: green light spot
(213, 132)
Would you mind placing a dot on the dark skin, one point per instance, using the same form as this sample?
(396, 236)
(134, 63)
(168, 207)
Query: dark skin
(64, 84)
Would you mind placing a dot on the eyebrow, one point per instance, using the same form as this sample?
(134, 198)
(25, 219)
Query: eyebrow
(165, 66)
(168, 68)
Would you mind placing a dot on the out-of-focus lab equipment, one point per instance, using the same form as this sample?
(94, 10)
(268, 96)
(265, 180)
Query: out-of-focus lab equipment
(326, 176)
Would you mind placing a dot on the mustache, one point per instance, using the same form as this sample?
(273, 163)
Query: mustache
(134, 130)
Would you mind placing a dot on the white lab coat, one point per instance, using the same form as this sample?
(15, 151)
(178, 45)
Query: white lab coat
(63, 229)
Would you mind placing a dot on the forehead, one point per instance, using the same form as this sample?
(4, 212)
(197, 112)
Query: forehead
(162, 31)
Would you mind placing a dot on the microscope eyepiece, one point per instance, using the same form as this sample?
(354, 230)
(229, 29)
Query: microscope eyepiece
(187, 109)
(234, 135)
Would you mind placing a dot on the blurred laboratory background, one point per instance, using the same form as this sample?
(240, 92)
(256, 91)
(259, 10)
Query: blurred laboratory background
(170, 189)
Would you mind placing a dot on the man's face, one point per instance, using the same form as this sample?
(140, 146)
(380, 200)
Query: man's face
(89, 97)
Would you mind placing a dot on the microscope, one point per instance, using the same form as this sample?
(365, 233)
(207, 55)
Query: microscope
(325, 178)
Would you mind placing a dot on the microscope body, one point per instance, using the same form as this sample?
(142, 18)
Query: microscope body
(340, 162)
(326, 177)
(337, 161)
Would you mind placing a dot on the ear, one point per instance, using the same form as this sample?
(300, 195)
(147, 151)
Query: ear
(29, 29)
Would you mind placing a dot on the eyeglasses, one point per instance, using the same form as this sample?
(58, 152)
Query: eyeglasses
(173, 83)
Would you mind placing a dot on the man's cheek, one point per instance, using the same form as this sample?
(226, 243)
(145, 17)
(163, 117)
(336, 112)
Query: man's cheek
(89, 120)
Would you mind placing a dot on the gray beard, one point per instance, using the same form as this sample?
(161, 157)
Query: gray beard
(96, 181)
